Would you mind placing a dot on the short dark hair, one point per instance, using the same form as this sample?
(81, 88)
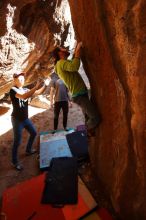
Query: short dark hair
(55, 54)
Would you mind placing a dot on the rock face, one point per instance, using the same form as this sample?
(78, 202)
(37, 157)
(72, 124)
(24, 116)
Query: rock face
(29, 29)
(113, 34)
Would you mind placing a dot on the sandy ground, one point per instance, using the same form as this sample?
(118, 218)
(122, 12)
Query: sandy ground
(43, 121)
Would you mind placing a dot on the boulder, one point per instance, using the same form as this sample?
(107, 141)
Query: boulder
(113, 34)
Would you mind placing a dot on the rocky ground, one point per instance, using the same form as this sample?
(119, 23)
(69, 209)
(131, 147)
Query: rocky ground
(43, 121)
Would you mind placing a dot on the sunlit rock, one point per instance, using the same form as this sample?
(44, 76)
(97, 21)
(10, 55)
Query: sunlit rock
(30, 30)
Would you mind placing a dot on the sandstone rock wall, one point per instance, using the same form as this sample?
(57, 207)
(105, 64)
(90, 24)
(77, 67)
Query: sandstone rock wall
(113, 34)
(114, 57)
(29, 29)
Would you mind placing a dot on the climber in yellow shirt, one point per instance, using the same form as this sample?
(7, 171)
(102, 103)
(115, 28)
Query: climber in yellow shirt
(67, 70)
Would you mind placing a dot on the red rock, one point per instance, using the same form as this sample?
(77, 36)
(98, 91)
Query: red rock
(113, 35)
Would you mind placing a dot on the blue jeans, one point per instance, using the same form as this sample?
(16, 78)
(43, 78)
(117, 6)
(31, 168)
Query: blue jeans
(17, 131)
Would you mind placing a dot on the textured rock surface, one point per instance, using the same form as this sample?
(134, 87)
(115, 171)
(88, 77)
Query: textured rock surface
(113, 35)
(29, 30)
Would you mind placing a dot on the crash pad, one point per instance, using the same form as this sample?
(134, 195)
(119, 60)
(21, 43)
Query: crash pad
(23, 201)
(61, 184)
(78, 144)
(53, 145)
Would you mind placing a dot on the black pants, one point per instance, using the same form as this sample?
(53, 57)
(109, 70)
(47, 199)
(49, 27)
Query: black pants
(57, 107)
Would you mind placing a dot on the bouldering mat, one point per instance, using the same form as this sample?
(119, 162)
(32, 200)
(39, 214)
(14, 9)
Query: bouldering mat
(53, 145)
(23, 201)
(61, 184)
(78, 144)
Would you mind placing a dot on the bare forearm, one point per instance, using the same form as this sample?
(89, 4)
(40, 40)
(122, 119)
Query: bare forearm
(40, 91)
(77, 52)
(27, 94)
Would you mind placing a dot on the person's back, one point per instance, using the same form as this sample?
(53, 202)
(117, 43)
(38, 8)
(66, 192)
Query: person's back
(68, 71)
(61, 91)
(52, 79)
(60, 94)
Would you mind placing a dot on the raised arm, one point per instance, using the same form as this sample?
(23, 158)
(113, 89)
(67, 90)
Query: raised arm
(41, 90)
(77, 52)
(28, 94)
(74, 64)
(70, 65)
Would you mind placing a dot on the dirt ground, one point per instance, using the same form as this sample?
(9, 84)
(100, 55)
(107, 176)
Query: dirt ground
(43, 121)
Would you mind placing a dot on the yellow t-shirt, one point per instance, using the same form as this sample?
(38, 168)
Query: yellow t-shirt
(67, 70)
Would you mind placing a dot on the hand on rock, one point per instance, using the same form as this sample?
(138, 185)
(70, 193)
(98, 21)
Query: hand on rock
(80, 44)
